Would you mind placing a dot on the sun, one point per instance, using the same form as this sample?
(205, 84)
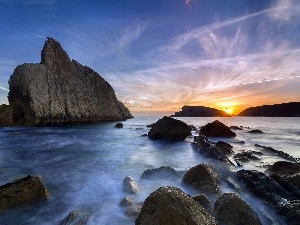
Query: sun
(228, 110)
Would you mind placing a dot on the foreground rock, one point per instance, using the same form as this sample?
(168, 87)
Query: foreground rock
(231, 209)
(216, 129)
(130, 186)
(76, 218)
(200, 111)
(161, 172)
(170, 129)
(203, 177)
(281, 198)
(171, 206)
(291, 109)
(287, 170)
(25, 190)
(59, 91)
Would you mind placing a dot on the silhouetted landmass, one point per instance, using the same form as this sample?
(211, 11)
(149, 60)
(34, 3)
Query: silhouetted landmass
(291, 109)
(200, 111)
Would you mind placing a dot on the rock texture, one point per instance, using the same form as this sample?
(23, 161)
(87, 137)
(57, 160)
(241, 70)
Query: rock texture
(216, 129)
(200, 111)
(203, 177)
(59, 91)
(158, 173)
(233, 210)
(171, 206)
(170, 129)
(291, 109)
(130, 186)
(76, 218)
(25, 190)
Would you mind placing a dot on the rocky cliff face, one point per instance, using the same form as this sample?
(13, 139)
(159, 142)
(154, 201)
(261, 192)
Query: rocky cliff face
(291, 109)
(59, 91)
(199, 111)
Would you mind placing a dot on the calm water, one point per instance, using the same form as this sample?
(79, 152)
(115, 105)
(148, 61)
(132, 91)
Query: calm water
(83, 166)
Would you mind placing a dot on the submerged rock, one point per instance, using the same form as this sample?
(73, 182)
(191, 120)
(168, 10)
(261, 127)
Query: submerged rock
(161, 172)
(119, 125)
(170, 129)
(59, 91)
(225, 147)
(235, 128)
(171, 206)
(130, 186)
(25, 190)
(76, 218)
(245, 156)
(281, 154)
(216, 129)
(256, 131)
(203, 177)
(231, 209)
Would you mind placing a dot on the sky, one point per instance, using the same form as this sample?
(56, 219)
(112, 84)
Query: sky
(162, 54)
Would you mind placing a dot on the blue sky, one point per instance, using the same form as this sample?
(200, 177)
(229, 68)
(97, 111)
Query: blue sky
(162, 54)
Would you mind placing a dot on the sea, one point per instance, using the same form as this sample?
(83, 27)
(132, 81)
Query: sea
(83, 166)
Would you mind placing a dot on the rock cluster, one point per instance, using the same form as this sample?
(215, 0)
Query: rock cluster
(59, 91)
(170, 129)
(25, 190)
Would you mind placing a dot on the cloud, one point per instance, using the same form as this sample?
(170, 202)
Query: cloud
(285, 10)
(3, 88)
(187, 2)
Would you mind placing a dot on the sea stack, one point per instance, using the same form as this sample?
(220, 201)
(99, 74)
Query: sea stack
(59, 91)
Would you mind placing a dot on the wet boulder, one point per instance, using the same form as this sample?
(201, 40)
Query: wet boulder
(76, 218)
(231, 209)
(225, 147)
(25, 190)
(203, 201)
(216, 129)
(245, 156)
(119, 125)
(171, 206)
(170, 129)
(203, 177)
(161, 172)
(130, 186)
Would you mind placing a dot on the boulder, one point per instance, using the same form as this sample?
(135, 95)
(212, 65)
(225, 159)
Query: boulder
(203, 201)
(19, 192)
(161, 172)
(216, 129)
(231, 209)
(256, 131)
(225, 147)
(76, 218)
(288, 170)
(203, 177)
(130, 186)
(59, 91)
(245, 156)
(170, 129)
(134, 209)
(126, 201)
(119, 125)
(171, 206)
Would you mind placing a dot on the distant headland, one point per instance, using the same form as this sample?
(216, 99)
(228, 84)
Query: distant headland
(291, 109)
(59, 91)
(200, 111)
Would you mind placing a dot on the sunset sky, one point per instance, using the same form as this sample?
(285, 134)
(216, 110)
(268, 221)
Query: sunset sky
(162, 54)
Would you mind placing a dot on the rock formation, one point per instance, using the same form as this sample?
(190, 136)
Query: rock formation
(130, 186)
(216, 129)
(171, 206)
(199, 111)
(231, 209)
(170, 129)
(158, 173)
(291, 109)
(25, 190)
(59, 91)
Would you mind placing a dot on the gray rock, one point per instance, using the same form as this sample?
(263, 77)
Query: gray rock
(203, 177)
(170, 129)
(76, 218)
(134, 209)
(126, 201)
(171, 206)
(59, 91)
(231, 209)
(161, 172)
(23, 191)
(130, 186)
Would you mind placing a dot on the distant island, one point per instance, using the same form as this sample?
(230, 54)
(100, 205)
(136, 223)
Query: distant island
(200, 111)
(59, 91)
(291, 109)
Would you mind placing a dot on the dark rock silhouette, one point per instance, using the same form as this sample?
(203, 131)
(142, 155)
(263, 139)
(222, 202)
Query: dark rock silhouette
(170, 129)
(25, 190)
(171, 206)
(59, 91)
(216, 129)
(119, 125)
(200, 111)
(291, 109)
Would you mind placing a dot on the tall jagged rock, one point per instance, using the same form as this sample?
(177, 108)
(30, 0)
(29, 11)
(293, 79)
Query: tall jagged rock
(59, 91)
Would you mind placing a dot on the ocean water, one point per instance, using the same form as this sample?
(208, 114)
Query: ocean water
(83, 166)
